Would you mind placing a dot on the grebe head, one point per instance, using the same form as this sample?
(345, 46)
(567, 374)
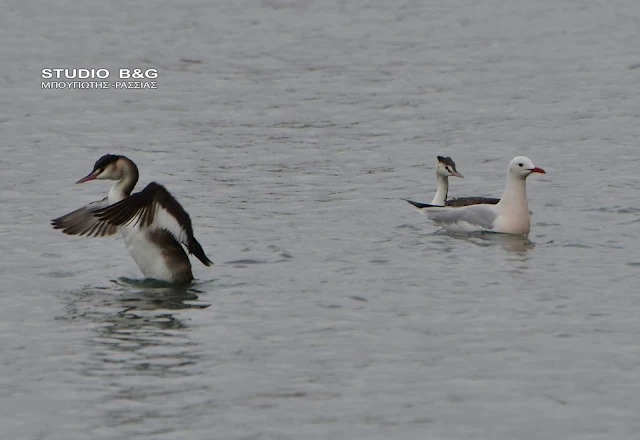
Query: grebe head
(447, 167)
(108, 167)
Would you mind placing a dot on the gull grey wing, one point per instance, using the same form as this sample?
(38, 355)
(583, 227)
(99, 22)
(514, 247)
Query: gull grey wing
(479, 215)
(84, 222)
(154, 207)
(466, 201)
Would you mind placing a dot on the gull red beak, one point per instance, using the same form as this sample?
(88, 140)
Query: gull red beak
(537, 170)
(88, 177)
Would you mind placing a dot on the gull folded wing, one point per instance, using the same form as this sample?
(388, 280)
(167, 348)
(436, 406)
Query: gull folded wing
(474, 216)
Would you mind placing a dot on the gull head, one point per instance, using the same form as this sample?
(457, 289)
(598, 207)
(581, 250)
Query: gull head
(521, 167)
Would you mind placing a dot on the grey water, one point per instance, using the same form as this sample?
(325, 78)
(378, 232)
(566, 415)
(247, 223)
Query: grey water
(290, 131)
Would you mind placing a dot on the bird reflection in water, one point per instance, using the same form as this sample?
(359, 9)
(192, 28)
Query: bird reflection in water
(509, 242)
(137, 327)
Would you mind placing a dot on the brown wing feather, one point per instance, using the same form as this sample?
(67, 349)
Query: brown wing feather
(82, 221)
(466, 201)
(142, 209)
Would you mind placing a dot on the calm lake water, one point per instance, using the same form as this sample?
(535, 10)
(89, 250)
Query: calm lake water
(290, 131)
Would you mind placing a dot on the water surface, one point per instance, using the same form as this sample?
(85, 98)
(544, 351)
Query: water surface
(290, 131)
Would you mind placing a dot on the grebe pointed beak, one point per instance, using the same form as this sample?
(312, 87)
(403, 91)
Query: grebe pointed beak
(88, 177)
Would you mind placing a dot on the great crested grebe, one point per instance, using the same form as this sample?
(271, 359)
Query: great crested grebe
(446, 168)
(153, 224)
(509, 216)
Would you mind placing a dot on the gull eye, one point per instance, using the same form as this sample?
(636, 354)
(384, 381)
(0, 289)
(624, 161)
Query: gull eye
(520, 165)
